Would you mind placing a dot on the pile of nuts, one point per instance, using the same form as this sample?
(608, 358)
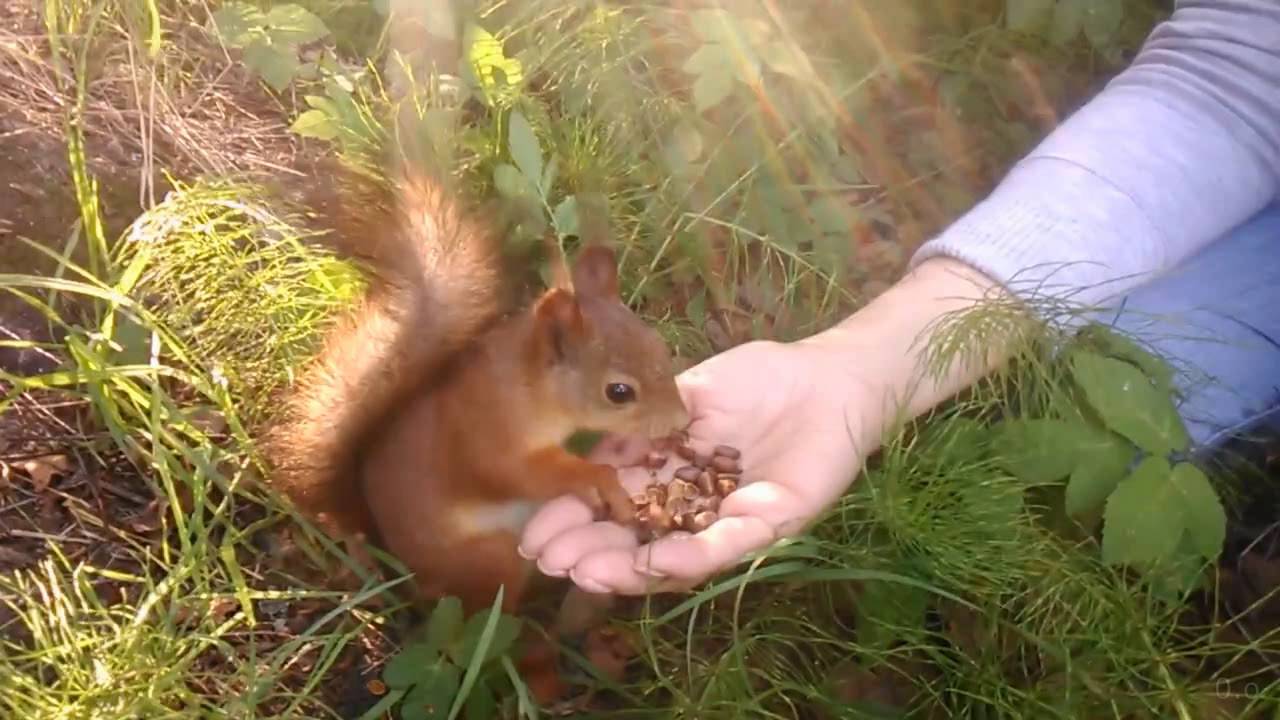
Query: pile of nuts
(692, 498)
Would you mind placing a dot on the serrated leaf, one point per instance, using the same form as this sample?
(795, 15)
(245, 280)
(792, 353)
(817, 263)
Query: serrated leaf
(511, 183)
(1144, 518)
(314, 124)
(565, 217)
(1120, 347)
(433, 696)
(1068, 20)
(1129, 403)
(408, 666)
(1102, 19)
(295, 25)
(237, 23)
(1206, 521)
(275, 65)
(488, 64)
(525, 151)
(1039, 450)
(1027, 16)
(1098, 472)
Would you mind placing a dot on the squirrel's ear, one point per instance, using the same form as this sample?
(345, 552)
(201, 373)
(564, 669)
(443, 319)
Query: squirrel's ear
(595, 273)
(558, 323)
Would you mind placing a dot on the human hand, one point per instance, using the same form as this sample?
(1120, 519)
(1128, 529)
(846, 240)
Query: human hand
(803, 421)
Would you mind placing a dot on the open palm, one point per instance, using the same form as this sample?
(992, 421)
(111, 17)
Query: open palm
(788, 408)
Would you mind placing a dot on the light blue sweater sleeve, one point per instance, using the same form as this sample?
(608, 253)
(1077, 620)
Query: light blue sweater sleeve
(1178, 149)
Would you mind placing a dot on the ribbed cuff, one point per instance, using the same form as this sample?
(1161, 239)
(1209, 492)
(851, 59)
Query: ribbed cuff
(1053, 228)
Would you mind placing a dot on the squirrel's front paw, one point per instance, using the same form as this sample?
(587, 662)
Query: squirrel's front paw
(618, 504)
(609, 502)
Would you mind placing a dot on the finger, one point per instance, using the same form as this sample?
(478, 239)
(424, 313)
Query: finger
(566, 549)
(553, 518)
(611, 571)
(568, 511)
(779, 506)
(695, 557)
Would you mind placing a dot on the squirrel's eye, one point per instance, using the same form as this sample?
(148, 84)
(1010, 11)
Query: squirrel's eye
(619, 393)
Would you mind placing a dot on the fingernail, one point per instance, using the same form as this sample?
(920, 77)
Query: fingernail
(551, 573)
(525, 553)
(588, 585)
(649, 572)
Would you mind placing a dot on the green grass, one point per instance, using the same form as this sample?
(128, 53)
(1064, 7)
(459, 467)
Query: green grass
(942, 582)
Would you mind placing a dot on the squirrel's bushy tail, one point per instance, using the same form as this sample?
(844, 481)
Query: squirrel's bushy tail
(435, 283)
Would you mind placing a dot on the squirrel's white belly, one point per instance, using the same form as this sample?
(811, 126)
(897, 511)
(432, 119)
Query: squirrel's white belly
(484, 518)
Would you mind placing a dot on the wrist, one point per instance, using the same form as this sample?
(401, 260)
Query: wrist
(880, 353)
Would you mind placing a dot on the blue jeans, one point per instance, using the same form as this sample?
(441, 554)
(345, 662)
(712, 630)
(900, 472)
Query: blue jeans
(1216, 320)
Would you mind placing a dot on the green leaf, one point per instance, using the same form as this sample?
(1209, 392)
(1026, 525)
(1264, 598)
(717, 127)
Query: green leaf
(582, 442)
(886, 609)
(712, 87)
(549, 175)
(1028, 16)
(315, 124)
(696, 308)
(275, 65)
(1068, 19)
(1113, 344)
(511, 183)
(566, 217)
(504, 634)
(238, 23)
(1129, 403)
(782, 57)
(1206, 520)
(489, 65)
(524, 147)
(953, 442)
(295, 25)
(490, 635)
(445, 623)
(715, 70)
(1144, 518)
(407, 668)
(1099, 471)
(1102, 20)
(683, 146)
(432, 697)
(481, 702)
(1040, 450)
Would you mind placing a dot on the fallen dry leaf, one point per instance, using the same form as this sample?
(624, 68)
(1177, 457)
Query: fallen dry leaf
(41, 470)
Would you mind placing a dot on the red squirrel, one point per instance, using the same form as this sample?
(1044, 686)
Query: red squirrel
(434, 416)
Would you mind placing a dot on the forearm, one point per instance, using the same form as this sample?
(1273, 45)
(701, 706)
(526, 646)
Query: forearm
(882, 353)
(1178, 149)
